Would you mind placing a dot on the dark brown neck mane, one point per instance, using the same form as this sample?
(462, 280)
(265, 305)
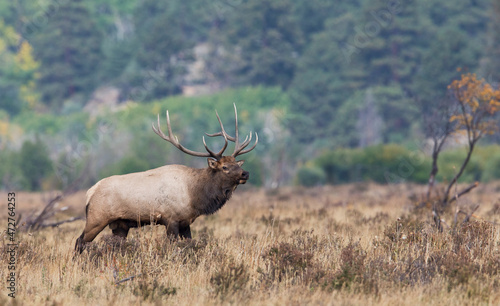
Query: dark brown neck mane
(210, 192)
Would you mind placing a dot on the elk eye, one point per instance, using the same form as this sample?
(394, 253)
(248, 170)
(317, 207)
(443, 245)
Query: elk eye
(224, 168)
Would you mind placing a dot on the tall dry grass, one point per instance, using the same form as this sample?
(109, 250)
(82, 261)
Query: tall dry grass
(357, 244)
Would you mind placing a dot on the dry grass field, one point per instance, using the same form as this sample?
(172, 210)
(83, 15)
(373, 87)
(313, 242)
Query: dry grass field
(358, 244)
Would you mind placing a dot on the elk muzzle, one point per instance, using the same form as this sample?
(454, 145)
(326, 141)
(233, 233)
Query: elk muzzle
(244, 177)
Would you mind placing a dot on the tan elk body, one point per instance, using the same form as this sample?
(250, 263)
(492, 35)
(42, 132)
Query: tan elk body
(172, 195)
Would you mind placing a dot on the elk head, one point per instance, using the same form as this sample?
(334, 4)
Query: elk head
(227, 168)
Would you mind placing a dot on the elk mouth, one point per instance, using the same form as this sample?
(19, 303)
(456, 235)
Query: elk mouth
(244, 177)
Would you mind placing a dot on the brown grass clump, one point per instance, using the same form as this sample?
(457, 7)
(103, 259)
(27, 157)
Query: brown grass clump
(326, 245)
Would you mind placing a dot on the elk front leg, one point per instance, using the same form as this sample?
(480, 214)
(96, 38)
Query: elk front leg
(172, 229)
(89, 233)
(185, 231)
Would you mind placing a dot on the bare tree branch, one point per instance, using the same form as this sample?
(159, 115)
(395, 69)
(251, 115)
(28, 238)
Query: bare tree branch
(464, 191)
(467, 218)
(127, 279)
(438, 128)
(56, 224)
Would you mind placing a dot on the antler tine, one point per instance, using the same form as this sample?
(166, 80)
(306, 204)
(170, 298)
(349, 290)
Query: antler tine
(222, 132)
(158, 130)
(235, 125)
(248, 150)
(175, 141)
(238, 148)
(169, 127)
(246, 141)
(216, 155)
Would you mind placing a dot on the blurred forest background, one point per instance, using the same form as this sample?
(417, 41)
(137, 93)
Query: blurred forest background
(338, 91)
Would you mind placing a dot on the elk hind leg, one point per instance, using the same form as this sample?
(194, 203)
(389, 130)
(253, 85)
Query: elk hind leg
(119, 228)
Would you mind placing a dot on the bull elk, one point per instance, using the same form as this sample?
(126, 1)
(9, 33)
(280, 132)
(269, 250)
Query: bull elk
(172, 195)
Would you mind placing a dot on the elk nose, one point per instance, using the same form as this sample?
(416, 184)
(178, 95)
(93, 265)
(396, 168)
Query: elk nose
(245, 175)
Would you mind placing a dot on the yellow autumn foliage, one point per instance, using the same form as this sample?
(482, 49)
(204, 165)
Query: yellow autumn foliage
(8, 34)
(24, 58)
(478, 102)
(4, 128)
(21, 64)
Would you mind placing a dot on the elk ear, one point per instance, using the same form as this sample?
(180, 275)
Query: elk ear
(240, 162)
(212, 163)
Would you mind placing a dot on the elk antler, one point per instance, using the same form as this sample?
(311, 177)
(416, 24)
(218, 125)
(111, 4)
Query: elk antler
(175, 141)
(238, 148)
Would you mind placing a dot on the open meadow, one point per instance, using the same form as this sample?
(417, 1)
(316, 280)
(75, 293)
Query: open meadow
(356, 244)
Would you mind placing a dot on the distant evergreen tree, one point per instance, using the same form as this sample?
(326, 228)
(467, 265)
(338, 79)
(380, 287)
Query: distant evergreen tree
(456, 40)
(35, 163)
(69, 49)
(492, 63)
(8, 12)
(448, 52)
(117, 58)
(468, 16)
(327, 75)
(263, 42)
(390, 41)
(18, 71)
(398, 111)
(166, 33)
(322, 10)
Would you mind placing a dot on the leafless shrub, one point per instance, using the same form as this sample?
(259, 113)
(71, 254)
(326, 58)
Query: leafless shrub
(354, 214)
(284, 260)
(495, 210)
(152, 290)
(334, 226)
(352, 266)
(189, 251)
(406, 229)
(456, 256)
(230, 278)
(379, 218)
(109, 245)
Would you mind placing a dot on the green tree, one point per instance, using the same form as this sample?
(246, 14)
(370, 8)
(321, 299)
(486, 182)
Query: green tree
(18, 71)
(492, 65)
(263, 42)
(397, 110)
(322, 10)
(326, 77)
(448, 52)
(114, 18)
(69, 49)
(9, 88)
(11, 177)
(390, 40)
(455, 38)
(35, 163)
(166, 33)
